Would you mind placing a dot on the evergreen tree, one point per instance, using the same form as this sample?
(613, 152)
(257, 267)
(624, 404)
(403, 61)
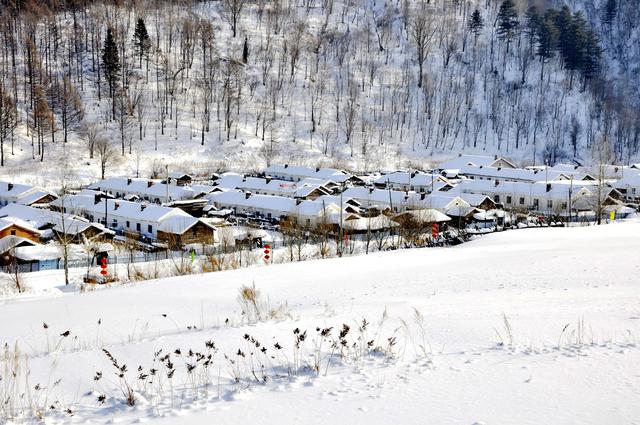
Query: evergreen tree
(577, 42)
(111, 65)
(507, 21)
(141, 40)
(610, 12)
(563, 25)
(475, 25)
(590, 66)
(532, 24)
(547, 36)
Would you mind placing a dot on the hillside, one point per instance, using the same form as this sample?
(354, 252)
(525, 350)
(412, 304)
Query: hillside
(453, 339)
(316, 82)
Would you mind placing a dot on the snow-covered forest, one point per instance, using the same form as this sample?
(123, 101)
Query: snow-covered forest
(132, 86)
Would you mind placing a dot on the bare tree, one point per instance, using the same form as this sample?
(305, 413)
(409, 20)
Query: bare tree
(231, 10)
(106, 154)
(421, 33)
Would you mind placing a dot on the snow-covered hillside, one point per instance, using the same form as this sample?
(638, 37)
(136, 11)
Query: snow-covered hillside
(325, 82)
(530, 326)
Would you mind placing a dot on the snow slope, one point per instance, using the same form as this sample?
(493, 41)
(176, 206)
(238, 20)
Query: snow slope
(571, 299)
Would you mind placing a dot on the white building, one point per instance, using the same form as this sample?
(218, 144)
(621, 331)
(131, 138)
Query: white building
(24, 194)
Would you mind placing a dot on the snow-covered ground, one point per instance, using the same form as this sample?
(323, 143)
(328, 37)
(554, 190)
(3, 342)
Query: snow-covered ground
(527, 327)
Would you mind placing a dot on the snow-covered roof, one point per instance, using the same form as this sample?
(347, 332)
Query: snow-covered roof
(300, 189)
(22, 193)
(8, 221)
(369, 223)
(277, 204)
(38, 252)
(517, 174)
(151, 188)
(427, 215)
(179, 224)
(10, 242)
(38, 218)
(415, 178)
(334, 174)
(118, 207)
(465, 160)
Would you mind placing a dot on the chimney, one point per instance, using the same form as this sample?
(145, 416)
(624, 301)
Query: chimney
(142, 207)
(247, 195)
(9, 187)
(116, 206)
(128, 182)
(149, 183)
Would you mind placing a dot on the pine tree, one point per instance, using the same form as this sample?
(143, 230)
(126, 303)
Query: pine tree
(577, 43)
(610, 12)
(475, 25)
(547, 36)
(141, 40)
(563, 23)
(507, 21)
(532, 24)
(590, 66)
(111, 65)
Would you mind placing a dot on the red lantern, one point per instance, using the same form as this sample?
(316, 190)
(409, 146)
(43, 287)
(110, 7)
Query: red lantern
(267, 251)
(434, 230)
(103, 266)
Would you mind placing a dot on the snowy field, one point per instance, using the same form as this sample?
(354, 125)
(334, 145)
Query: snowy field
(527, 327)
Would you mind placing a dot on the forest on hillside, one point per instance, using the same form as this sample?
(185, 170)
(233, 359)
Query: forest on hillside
(113, 85)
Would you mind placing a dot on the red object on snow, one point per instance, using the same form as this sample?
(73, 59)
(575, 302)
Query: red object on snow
(103, 266)
(267, 251)
(434, 230)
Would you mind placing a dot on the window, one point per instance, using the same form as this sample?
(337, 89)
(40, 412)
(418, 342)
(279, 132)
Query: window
(508, 199)
(564, 205)
(115, 223)
(536, 203)
(128, 224)
(521, 201)
(137, 227)
(549, 203)
(496, 198)
(13, 232)
(149, 228)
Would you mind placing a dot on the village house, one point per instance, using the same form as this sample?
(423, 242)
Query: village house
(305, 212)
(304, 189)
(629, 185)
(465, 160)
(552, 198)
(415, 181)
(151, 190)
(53, 224)
(24, 194)
(293, 173)
(147, 221)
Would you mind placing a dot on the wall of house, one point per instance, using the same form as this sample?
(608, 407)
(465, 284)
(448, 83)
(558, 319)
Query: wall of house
(18, 231)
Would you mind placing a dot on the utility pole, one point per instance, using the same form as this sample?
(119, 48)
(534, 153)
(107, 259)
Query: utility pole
(570, 197)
